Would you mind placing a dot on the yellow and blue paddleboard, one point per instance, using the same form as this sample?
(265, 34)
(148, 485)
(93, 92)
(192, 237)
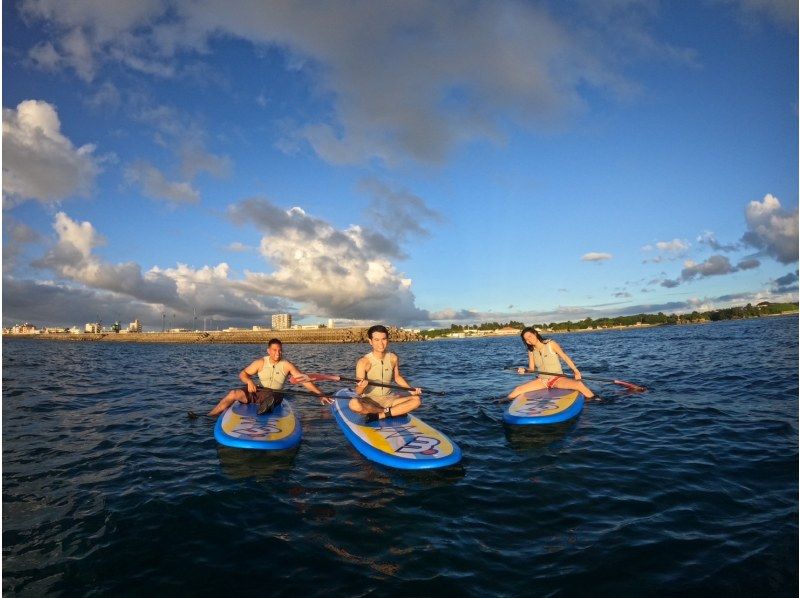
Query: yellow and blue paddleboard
(241, 427)
(403, 442)
(546, 406)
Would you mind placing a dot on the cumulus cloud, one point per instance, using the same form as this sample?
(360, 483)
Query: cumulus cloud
(39, 162)
(210, 290)
(342, 273)
(772, 229)
(716, 265)
(748, 264)
(786, 283)
(155, 185)
(397, 212)
(669, 250)
(710, 239)
(405, 80)
(594, 256)
(16, 236)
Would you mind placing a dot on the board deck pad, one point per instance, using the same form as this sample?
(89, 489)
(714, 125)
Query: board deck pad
(404, 442)
(241, 427)
(546, 406)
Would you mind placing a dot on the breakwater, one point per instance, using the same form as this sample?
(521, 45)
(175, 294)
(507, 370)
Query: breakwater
(321, 335)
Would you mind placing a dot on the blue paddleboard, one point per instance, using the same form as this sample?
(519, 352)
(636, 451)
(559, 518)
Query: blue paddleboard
(544, 407)
(404, 442)
(241, 427)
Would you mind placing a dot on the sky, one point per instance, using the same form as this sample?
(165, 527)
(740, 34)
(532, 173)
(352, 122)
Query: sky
(416, 163)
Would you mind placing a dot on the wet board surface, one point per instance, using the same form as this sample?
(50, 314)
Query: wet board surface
(241, 427)
(544, 407)
(404, 442)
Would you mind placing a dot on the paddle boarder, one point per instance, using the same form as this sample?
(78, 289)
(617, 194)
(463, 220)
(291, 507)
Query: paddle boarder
(272, 371)
(545, 355)
(380, 365)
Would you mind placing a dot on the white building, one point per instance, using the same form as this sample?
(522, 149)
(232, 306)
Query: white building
(281, 321)
(135, 326)
(93, 327)
(330, 323)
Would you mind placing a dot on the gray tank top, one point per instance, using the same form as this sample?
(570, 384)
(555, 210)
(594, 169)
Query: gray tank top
(272, 376)
(546, 360)
(380, 370)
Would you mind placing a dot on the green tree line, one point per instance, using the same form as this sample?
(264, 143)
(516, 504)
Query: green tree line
(729, 313)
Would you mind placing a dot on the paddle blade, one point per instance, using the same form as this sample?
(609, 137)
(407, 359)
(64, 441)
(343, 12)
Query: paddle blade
(630, 386)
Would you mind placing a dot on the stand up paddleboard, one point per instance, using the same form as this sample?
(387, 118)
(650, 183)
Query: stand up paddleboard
(241, 427)
(404, 442)
(544, 407)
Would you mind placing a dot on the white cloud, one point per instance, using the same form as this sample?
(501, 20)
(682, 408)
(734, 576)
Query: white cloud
(594, 256)
(156, 186)
(716, 265)
(343, 274)
(710, 239)
(331, 273)
(408, 80)
(670, 250)
(210, 289)
(772, 229)
(39, 162)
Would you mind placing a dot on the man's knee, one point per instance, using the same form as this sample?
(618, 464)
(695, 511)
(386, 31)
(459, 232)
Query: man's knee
(354, 405)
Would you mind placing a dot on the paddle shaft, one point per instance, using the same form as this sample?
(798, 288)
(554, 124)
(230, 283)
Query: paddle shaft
(338, 378)
(630, 385)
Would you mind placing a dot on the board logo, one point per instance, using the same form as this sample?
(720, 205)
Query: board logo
(420, 445)
(252, 428)
(414, 443)
(534, 408)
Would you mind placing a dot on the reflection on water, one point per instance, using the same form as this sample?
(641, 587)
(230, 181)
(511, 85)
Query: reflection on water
(240, 464)
(107, 486)
(526, 438)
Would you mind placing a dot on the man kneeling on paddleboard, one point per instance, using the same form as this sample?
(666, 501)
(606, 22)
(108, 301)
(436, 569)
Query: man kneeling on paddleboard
(272, 371)
(377, 402)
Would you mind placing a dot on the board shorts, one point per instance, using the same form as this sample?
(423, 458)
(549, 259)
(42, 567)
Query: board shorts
(263, 394)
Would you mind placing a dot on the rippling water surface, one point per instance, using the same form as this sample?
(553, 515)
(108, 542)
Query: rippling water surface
(692, 487)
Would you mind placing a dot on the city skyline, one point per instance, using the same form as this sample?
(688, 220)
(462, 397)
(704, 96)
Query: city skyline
(421, 164)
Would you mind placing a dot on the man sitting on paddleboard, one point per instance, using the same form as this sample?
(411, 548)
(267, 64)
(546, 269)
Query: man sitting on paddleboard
(377, 402)
(272, 371)
(543, 355)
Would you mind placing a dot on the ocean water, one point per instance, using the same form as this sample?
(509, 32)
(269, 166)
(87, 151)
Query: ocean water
(690, 488)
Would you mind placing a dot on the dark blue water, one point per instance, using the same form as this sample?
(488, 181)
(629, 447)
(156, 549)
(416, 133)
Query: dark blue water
(690, 488)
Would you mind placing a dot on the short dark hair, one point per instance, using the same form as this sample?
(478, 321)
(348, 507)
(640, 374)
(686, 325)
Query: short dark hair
(274, 341)
(377, 328)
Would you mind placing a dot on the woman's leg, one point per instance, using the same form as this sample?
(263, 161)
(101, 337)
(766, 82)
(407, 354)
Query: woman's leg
(535, 384)
(572, 384)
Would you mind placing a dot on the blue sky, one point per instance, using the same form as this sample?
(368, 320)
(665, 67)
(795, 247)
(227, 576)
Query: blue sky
(416, 163)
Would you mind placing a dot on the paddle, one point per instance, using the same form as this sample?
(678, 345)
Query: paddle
(338, 378)
(304, 393)
(628, 385)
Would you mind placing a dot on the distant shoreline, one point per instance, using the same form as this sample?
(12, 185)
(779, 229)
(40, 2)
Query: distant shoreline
(243, 337)
(320, 336)
(546, 332)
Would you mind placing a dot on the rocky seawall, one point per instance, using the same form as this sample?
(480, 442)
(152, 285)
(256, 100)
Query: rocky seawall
(321, 335)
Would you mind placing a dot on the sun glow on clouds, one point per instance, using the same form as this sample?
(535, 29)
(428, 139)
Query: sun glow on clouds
(345, 274)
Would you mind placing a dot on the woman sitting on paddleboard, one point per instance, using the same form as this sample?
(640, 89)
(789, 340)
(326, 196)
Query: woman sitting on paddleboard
(543, 356)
